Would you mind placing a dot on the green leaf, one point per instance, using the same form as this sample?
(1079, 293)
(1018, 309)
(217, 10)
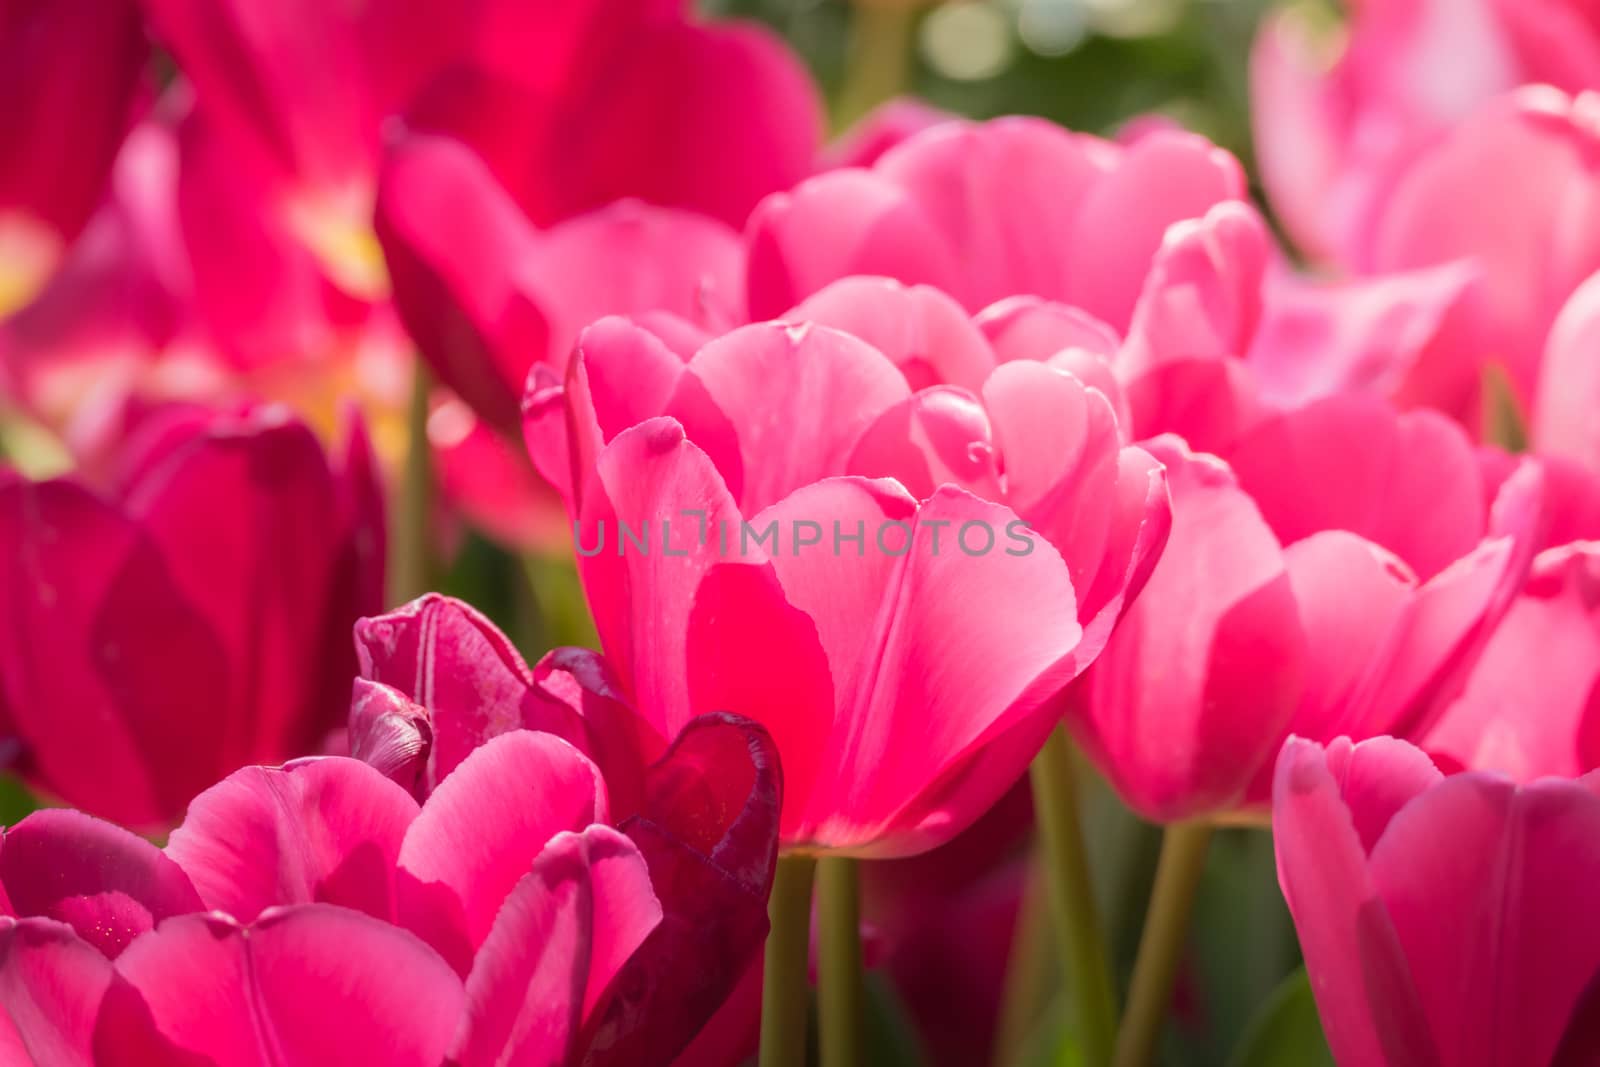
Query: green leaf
(15, 801)
(1286, 1032)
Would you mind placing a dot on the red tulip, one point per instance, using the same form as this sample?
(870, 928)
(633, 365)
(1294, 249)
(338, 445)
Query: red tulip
(906, 683)
(1444, 921)
(188, 621)
(70, 71)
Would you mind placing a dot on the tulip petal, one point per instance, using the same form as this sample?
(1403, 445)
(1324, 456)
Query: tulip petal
(1528, 723)
(312, 984)
(565, 931)
(709, 835)
(89, 584)
(1481, 878)
(1368, 1001)
(928, 673)
(1409, 482)
(1181, 715)
(842, 223)
(109, 885)
(221, 558)
(744, 392)
(454, 242)
(445, 656)
(51, 984)
(323, 829)
(925, 333)
(482, 828)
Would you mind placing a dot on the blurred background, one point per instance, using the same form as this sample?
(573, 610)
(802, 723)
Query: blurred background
(1087, 64)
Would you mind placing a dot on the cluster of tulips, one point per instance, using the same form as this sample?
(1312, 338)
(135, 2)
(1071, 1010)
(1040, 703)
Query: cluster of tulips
(902, 472)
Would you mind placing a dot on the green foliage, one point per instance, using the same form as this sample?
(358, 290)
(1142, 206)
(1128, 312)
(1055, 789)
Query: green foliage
(1286, 1032)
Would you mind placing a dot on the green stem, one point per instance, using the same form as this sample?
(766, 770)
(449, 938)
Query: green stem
(1161, 947)
(1028, 967)
(409, 568)
(1076, 919)
(786, 981)
(841, 975)
(878, 60)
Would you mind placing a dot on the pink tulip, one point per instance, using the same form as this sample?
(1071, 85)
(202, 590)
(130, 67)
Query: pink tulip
(1526, 723)
(506, 900)
(1444, 920)
(882, 129)
(1337, 572)
(188, 620)
(487, 296)
(70, 71)
(440, 684)
(1339, 116)
(1218, 291)
(851, 657)
(1065, 216)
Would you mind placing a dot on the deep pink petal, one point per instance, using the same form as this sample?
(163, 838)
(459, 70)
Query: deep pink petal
(925, 333)
(1568, 386)
(565, 931)
(233, 510)
(1527, 723)
(1202, 296)
(109, 885)
(1192, 693)
(1486, 884)
(455, 242)
(480, 830)
(1533, 154)
(312, 984)
(72, 72)
(835, 225)
(1351, 595)
(445, 656)
(51, 984)
(933, 689)
(324, 829)
(709, 833)
(87, 583)
(938, 436)
(1158, 180)
(1368, 1002)
(746, 391)
(1409, 482)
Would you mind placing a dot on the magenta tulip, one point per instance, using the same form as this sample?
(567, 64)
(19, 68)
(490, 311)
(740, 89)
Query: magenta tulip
(865, 586)
(1444, 921)
(190, 619)
(300, 901)
(440, 685)
(70, 71)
